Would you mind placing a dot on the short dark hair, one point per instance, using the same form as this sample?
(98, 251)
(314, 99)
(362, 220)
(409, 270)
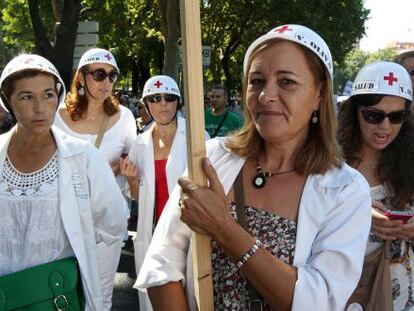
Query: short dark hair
(220, 87)
(399, 59)
(7, 88)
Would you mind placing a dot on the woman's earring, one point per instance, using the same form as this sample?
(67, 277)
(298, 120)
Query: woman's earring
(81, 90)
(314, 117)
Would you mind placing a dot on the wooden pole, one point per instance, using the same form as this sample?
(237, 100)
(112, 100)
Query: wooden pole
(194, 102)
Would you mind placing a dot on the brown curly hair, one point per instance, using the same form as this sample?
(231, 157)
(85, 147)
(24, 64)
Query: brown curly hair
(77, 105)
(396, 164)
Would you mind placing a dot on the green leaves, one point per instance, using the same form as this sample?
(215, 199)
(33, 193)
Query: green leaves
(136, 31)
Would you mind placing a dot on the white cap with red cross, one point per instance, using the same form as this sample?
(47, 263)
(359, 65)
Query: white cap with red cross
(383, 78)
(31, 62)
(299, 34)
(97, 55)
(159, 85)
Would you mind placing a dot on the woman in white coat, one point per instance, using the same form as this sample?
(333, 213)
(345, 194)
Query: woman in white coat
(89, 107)
(156, 160)
(285, 214)
(376, 134)
(61, 186)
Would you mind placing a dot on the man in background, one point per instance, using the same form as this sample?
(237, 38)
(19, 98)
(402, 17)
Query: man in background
(406, 59)
(218, 119)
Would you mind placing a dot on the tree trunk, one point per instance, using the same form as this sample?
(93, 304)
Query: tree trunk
(134, 77)
(66, 37)
(61, 55)
(229, 50)
(57, 6)
(143, 72)
(43, 45)
(170, 28)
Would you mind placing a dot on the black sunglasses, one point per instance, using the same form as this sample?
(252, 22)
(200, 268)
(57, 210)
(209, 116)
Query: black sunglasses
(156, 98)
(377, 116)
(100, 74)
(411, 72)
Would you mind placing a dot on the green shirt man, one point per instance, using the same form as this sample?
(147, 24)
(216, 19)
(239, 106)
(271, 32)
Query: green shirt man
(218, 120)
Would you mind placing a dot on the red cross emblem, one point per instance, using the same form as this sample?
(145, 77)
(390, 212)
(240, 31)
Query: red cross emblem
(158, 84)
(390, 78)
(108, 57)
(29, 60)
(283, 29)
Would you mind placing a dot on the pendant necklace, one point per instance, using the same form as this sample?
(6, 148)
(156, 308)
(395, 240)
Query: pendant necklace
(259, 180)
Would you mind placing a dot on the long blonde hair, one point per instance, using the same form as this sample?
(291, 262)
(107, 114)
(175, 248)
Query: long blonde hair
(321, 151)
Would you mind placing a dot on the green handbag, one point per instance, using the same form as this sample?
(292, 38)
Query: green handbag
(52, 286)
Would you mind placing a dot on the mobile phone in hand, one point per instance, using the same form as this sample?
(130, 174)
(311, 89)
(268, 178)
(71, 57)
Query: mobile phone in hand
(401, 215)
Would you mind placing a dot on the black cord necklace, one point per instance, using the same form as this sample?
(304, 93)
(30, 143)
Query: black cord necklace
(259, 180)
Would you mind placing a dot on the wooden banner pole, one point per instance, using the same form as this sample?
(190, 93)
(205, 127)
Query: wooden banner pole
(194, 102)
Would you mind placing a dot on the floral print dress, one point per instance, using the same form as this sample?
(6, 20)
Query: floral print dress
(277, 235)
(402, 258)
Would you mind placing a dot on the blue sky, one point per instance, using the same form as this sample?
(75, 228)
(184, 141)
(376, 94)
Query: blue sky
(391, 20)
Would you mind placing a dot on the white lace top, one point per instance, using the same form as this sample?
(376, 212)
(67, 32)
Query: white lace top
(31, 230)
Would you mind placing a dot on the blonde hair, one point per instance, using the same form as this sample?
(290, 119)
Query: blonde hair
(321, 151)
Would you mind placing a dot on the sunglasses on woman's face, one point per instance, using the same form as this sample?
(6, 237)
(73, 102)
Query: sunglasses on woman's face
(377, 116)
(156, 98)
(100, 74)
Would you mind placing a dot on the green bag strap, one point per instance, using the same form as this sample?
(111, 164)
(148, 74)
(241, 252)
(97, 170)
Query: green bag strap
(3, 300)
(56, 284)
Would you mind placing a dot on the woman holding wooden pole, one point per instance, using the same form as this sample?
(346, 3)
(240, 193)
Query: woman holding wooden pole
(288, 219)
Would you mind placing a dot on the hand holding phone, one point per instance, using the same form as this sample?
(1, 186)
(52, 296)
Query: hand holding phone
(405, 216)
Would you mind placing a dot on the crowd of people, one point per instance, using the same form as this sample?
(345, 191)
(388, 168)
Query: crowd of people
(306, 207)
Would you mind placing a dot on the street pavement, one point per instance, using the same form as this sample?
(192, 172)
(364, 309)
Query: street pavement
(125, 298)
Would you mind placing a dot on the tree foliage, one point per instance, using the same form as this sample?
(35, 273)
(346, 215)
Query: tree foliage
(230, 26)
(143, 34)
(355, 60)
(131, 29)
(40, 35)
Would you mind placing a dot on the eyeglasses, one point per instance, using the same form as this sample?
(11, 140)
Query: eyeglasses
(377, 116)
(100, 75)
(156, 98)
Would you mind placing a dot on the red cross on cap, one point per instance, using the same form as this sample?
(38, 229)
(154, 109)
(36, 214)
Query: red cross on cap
(283, 29)
(390, 78)
(108, 57)
(158, 84)
(29, 60)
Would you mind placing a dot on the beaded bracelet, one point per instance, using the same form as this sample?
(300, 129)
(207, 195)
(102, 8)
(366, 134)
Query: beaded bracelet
(252, 250)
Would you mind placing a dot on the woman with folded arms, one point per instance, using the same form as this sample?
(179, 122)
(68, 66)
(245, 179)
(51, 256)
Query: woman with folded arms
(58, 195)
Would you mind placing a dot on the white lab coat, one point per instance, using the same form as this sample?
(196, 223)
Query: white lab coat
(91, 205)
(116, 141)
(142, 155)
(332, 230)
